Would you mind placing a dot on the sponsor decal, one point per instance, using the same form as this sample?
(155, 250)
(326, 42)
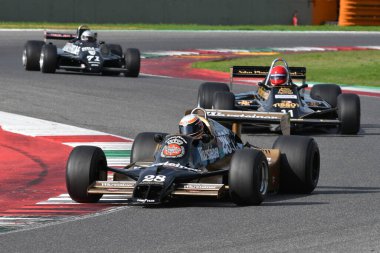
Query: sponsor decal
(248, 72)
(286, 104)
(285, 91)
(116, 184)
(285, 96)
(176, 165)
(146, 200)
(245, 102)
(200, 187)
(313, 103)
(248, 116)
(71, 48)
(208, 154)
(262, 93)
(90, 50)
(176, 139)
(173, 150)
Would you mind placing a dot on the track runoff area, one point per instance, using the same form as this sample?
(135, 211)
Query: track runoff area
(35, 151)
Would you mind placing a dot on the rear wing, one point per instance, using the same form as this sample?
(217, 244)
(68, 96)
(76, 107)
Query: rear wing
(59, 36)
(240, 117)
(295, 73)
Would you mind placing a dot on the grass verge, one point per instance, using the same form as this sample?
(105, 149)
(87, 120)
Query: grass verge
(71, 26)
(344, 67)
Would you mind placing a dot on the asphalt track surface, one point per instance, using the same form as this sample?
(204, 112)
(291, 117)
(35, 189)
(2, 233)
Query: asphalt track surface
(342, 215)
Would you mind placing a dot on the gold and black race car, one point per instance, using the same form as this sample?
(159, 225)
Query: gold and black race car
(216, 164)
(324, 107)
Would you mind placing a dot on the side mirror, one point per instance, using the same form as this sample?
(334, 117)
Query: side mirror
(158, 138)
(206, 138)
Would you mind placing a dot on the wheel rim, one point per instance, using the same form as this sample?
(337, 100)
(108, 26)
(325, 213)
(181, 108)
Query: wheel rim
(24, 58)
(41, 60)
(263, 169)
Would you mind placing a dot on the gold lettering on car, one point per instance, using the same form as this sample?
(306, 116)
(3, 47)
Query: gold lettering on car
(285, 91)
(286, 104)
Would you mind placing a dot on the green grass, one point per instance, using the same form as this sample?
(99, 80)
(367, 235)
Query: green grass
(344, 67)
(45, 25)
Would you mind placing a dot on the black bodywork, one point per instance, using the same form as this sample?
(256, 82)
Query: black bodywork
(179, 163)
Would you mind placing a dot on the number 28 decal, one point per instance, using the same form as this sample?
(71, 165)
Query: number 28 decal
(153, 178)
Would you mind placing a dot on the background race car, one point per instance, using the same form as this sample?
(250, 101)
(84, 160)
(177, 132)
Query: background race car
(83, 53)
(324, 107)
(217, 165)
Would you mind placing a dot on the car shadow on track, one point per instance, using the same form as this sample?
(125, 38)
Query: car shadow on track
(323, 190)
(282, 199)
(273, 200)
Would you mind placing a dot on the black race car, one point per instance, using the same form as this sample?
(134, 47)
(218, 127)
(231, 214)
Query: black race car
(324, 107)
(83, 53)
(218, 164)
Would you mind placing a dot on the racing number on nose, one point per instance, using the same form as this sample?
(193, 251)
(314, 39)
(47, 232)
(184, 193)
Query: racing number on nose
(93, 58)
(150, 178)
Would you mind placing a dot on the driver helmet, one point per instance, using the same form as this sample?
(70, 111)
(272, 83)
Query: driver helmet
(88, 36)
(191, 125)
(279, 76)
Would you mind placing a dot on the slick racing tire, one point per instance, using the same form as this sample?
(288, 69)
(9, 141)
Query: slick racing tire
(248, 177)
(144, 146)
(326, 92)
(86, 165)
(349, 113)
(206, 93)
(115, 49)
(300, 161)
(132, 62)
(31, 55)
(48, 58)
(224, 100)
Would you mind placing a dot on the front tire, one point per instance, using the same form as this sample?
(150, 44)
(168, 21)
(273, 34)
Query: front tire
(349, 113)
(31, 55)
(224, 100)
(326, 92)
(86, 164)
(132, 62)
(48, 58)
(248, 177)
(206, 93)
(144, 146)
(300, 162)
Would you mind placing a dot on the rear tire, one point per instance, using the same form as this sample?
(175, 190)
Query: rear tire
(326, 92)
(31, 55)
(48, 58)
(248, 177)
(224, 100)
(300, 161)
(349, 113)
(132, 62)
(206, 93)
(86, 164)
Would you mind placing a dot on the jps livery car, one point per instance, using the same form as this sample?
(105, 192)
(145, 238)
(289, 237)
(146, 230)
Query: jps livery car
(203, 159)
(325, 106)
(83, 53)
